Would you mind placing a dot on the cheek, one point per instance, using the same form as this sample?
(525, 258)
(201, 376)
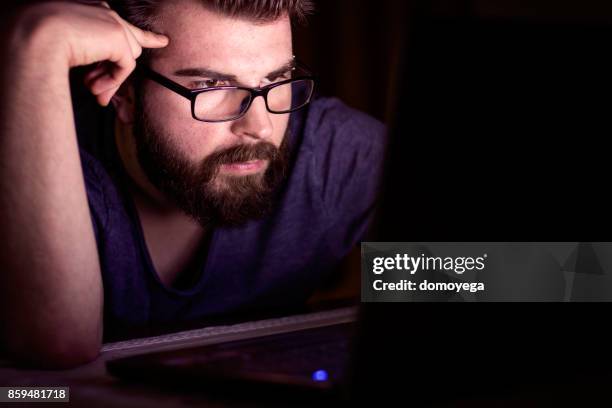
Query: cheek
(280, 123)
(171, 117)
(163, 104)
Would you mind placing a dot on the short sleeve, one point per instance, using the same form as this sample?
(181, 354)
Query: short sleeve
(351, 163)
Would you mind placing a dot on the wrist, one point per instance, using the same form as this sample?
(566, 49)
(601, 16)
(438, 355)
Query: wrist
(34, 40)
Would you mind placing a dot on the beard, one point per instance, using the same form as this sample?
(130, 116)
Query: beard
(199, 190)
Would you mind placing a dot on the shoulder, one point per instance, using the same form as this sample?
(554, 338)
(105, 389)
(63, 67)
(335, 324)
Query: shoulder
(348, 147)
(330, 120)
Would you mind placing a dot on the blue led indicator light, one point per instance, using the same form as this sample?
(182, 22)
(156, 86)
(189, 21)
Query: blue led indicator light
(319, 375)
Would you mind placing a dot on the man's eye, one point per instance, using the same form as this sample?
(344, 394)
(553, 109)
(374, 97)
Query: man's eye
(282, 77)
(209, 83)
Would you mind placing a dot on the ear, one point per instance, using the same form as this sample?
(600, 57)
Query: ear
(124, 102)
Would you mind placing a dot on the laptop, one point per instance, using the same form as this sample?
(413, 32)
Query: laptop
(306, 363)
(479, 151)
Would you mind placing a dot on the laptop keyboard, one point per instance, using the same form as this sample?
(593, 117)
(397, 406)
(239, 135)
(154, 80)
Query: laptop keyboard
(320, 352)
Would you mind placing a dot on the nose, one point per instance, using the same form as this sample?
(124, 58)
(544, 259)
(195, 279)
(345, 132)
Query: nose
(255, 123)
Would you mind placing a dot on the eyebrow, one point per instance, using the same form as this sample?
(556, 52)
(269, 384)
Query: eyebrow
(209, 73)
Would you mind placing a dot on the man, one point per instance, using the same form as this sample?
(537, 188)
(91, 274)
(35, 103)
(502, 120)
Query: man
(213, 200)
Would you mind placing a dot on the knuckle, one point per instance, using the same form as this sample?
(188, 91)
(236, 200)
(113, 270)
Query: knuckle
(118, 32)
(138, 52)
(131, 64)
(113, 14)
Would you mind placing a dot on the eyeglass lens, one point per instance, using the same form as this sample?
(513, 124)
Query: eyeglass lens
(223, 104)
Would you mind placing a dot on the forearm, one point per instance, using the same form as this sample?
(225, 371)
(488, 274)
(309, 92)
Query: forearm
(50, 282)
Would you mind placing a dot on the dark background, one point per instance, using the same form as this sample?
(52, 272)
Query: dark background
(503, 124)
(355, 45)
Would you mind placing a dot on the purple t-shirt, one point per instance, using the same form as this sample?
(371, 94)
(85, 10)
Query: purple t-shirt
(322, 212)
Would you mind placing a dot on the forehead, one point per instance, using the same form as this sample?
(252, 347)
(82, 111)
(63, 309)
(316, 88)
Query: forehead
(200, 37)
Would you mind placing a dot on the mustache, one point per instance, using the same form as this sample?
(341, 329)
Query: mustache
(244, 152)
(239, 153)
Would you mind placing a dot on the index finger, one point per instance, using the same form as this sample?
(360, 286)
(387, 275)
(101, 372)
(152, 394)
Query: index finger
(147, 39)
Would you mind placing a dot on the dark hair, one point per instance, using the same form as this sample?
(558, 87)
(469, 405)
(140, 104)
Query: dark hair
(141, 13)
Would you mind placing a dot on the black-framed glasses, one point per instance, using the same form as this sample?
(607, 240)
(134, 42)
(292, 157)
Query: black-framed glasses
(226, 103)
